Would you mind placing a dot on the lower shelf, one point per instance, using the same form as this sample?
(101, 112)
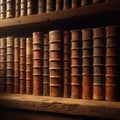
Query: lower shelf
(92, 108)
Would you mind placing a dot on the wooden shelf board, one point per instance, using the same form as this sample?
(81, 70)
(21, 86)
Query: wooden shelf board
(62, 105)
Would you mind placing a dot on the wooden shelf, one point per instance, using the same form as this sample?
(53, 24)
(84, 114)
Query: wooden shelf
(102, 109)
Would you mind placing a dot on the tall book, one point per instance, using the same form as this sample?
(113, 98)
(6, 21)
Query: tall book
(59, 5)
(87, 62)
(10, 8)
(2, 64)
(67, 63)
(22, 65)
(76, 62)
(66, 4)
(17, 8)
(112, 63)
(76, 3)
(86, 2)
(10, 64)
(2, 9)
(98, 1)
(30, 7)
(99, 63)
(37, 63)
(16, 65)
(41, 6)
(50, 6)
(46, 65)
(29, 65)
(23, 7)
(56, 63)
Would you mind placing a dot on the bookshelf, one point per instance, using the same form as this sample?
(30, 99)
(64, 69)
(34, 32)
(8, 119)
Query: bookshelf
(49, 21)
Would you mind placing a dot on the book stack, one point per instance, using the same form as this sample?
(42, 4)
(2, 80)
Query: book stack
(10, 64)
(76, 62)
(16, 65)
(2, 9)
(41, 6)
(17, 8)
(22, 65)
(2, 64)
(23, 8)
(87, 62)
(99, 63)
(55, 51)
(37, 63)
(67, 63)
(46, 65)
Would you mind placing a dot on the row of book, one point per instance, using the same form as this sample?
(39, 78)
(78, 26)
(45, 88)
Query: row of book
(73, 64)
(17, 8)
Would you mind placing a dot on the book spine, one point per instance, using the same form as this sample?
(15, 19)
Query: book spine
(17, 8)
(10, 65)
(98, 1)
(86, 2)
(30, 7)
(37, 63)
(99, 63)
(59, 5)
(2, 64)
(2, 9)
(87, 62)
(23, 8)
(16, 65)
(67, 63)
(46, 66)
(29, 65)
(10, 8)
(50, 6)
(66, 4)
(76, 59)
(76, 3)
(41, 6)
(56, 68)
(112, 63)
(22, 65)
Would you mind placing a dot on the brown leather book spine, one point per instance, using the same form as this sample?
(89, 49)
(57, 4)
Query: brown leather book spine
(10, 64)
(76, 62)
(16, 65)
(66, 4)
(2, 64)
(2, 9)
(10, 8)
(41, 6)
(98, 1)
(50, 6)
(87, 61)
(112, 63)
(30, 7)
(99, 63)
(76, 3)
(37, 63)
(86, 2)
(67, 63)
(59, 5)
(56, 63)
(17, 8)
(29, 65)
(23, 8)
(46, 65)
(22, 65)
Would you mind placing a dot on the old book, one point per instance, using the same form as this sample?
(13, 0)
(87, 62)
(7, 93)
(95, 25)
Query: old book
(37, 63)
(86, 2)
(50, 6)
(98, 1)
(76, 3)
(30, 7)
(22, 65)
(2, 64)
(41, 6)
(99, 63)
(59, 5)
(56, 62)
(10, 8)
(23, 7)
(29, 65)
(67, 63)
(76, 62)
(87, 61)
(17, 8)
(10, 64)
(46, 65)
(112, 63)
(16, 65)
(2, 9)
(66, 4)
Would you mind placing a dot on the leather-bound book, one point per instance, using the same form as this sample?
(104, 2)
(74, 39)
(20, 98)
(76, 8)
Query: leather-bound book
(22, 65)
(67, 63)
(30, 4)
(76, 62)
(66, 4)
(41, 6)
(56, 63)
(16, 65)
(86, 2)
(87, 61)
(46, 65)
(59, 5)
(23, 8)
(2, 64)
(98, 1)
(112, 63)
(17, 8)
(76, 3)
(2, 9)
(37, 63)
(99, 63)
(10, 64)
(10, 8)
(50, 6)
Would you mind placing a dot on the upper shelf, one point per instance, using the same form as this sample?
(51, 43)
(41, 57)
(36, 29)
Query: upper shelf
(80, 12)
